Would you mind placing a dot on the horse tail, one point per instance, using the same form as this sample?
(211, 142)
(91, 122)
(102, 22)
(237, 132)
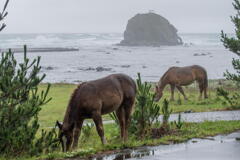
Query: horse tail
(205, 80)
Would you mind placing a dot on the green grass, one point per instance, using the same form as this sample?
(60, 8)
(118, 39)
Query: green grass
(61, 93)
(189, 130)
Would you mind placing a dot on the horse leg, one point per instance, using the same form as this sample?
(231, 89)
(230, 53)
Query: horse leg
(205, 93)
(97, 118)
(76, 133)
(181, 91)
(128, 107)
(201, 88)
(172, 92)
(120, 114)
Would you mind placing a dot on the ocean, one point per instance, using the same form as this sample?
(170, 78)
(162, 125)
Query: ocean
(77, 57)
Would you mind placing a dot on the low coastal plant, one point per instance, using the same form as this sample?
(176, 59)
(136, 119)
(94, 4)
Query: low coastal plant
(166, 114)
(3, 14)
(232, 100)
(179, 123)
(20, 104)
(146, 111)
(179, 101)
(113, 116)
(232, 43)
(86, 130)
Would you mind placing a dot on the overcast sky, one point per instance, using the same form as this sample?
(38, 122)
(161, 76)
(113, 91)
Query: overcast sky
(78, 16)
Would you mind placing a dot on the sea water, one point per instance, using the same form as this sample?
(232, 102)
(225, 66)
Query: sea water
(98, 55)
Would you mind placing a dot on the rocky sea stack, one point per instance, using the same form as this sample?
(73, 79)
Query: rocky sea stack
(150, 29)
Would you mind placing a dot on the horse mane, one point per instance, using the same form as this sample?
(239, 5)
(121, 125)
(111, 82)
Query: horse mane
(68, 118)
(163, 76)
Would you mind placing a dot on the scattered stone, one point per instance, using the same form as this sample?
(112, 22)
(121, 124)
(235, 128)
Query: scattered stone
(49, 68)
(108, 53)
(100, 69)
(150, 29)
(188, 111)
(115, 49)
(177, 61)
(201, 54)
(238, 139)
(89, 69)
(144, 66)
(125, 66)
(194, 141)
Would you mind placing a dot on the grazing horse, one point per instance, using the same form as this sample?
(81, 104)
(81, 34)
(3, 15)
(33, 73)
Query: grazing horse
(92, 99)
(182, 76)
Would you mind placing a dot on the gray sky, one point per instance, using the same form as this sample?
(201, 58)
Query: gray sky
(78, 16)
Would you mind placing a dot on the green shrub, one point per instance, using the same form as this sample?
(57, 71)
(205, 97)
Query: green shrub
(166, 114)
(3, 14)
(20, 103)
(232, 100)
(146, 110)
(179, 123)
(86, 130)
(232, 43)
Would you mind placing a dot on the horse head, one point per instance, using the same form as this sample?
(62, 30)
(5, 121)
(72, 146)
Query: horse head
(65, 136)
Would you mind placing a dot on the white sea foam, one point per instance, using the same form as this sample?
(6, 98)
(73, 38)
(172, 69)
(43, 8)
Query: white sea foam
(99, 51)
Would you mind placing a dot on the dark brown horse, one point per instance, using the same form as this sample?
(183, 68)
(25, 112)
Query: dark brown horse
(93, 99)
(182, 76)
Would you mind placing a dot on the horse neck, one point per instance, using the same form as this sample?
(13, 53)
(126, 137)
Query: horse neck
(162, 84)
(69, 115)
(68, 119)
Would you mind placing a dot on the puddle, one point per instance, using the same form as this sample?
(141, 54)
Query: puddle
(223, 147)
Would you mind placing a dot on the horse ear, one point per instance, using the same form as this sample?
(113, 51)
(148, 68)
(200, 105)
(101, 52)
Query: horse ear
(59, 125)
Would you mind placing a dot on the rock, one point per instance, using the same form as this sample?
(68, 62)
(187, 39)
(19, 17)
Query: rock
(97, 69)
(125, 66)
(188, 111)
(100, 69)
(150, 29)
(49, 68)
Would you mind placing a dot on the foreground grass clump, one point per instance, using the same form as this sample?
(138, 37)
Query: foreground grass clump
(188, 131)
(61, 93)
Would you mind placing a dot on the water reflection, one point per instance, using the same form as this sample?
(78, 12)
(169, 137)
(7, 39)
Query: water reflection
(221, 147)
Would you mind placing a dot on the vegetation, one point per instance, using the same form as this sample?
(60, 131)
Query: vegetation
(3, 14)
(179, 123)
(188, 131)
(233, 44)
(166, 114)
(146, 110)
(61, 93)
(20, 104)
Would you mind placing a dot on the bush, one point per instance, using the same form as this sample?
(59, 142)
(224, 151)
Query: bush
(166, 114)
(20, 103)
(232, 100)
(179, 123)
(146, 110)
(3, 14)
(232, 43)
(86, 130)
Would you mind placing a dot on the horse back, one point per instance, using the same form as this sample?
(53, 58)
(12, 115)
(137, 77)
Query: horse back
(107, 93)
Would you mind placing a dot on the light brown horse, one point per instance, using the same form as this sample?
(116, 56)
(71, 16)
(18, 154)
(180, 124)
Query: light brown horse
(182, 76)
(93, 99)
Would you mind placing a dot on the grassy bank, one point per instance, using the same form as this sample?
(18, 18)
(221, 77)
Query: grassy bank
(92, 144)
(61, 93)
